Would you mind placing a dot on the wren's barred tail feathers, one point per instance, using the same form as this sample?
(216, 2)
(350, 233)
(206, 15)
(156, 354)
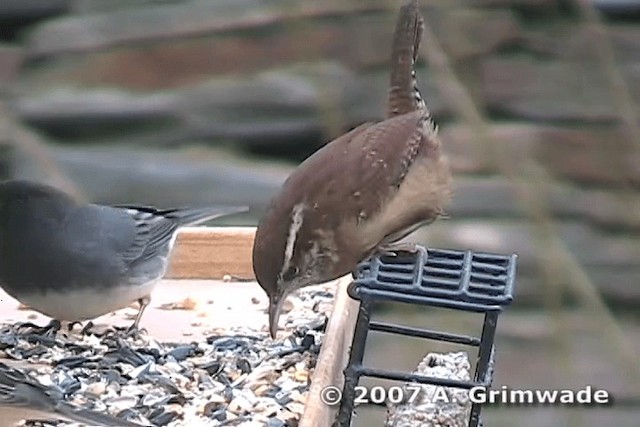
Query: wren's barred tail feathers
(404, 94)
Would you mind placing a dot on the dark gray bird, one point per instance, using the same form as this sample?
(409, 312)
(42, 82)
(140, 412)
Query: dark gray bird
(75, 261)
(361, 193)
(22, 397)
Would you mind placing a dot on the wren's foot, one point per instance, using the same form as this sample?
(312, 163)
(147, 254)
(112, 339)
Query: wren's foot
(394, 249)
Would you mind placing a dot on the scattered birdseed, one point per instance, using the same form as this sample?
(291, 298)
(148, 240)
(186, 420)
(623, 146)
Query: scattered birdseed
(235, 376)
(185, 304)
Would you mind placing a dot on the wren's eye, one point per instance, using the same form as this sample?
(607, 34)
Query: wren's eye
(290, 273)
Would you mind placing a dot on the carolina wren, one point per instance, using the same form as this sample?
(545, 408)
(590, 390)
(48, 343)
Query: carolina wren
(360, 193)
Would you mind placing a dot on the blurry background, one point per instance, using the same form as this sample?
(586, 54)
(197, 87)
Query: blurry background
(192, 102)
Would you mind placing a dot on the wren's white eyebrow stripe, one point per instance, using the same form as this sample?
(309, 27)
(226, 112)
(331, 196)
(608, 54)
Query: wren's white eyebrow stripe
(297, 216)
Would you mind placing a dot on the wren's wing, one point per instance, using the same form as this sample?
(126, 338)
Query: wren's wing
(355, 174)
(320, 173)
(324, 179)
(354, 178)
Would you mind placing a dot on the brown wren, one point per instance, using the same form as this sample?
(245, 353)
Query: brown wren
(359, 194)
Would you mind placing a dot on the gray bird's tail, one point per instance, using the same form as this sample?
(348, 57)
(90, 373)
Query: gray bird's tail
(194, 216)
(20, 390)
(404, 95)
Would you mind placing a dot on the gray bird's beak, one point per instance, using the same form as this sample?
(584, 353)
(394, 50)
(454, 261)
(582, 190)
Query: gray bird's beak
(275, 306)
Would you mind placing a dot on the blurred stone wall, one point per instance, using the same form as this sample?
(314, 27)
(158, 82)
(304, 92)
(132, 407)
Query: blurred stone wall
(281, 77)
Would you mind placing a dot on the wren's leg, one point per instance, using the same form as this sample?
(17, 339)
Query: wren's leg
(393, 249)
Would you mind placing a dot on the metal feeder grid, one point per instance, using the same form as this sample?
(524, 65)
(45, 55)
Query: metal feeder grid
(459, 280)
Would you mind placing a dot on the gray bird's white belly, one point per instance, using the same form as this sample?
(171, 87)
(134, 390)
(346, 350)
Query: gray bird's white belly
(87, 303)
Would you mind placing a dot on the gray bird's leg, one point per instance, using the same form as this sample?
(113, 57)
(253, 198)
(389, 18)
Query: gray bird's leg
(72, 325)
(132, 331)
(134, 328)
(87, 328)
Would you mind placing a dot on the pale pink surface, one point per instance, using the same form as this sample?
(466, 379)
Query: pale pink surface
(218, 305)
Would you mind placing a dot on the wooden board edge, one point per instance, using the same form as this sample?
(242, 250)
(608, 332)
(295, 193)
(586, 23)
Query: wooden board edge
(333, 357)
(212, 253)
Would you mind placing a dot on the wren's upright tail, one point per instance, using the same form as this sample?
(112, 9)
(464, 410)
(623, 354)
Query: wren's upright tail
(404, 95)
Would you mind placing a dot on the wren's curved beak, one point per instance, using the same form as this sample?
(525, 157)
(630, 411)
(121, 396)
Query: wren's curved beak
(275, 306)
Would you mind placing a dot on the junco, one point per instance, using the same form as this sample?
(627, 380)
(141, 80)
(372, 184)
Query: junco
(74, 261)
(22, 397)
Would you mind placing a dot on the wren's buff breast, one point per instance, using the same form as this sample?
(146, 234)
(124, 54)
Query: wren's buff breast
(360, 193)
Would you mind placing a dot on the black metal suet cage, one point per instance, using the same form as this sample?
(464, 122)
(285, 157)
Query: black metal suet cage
(459, 280)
